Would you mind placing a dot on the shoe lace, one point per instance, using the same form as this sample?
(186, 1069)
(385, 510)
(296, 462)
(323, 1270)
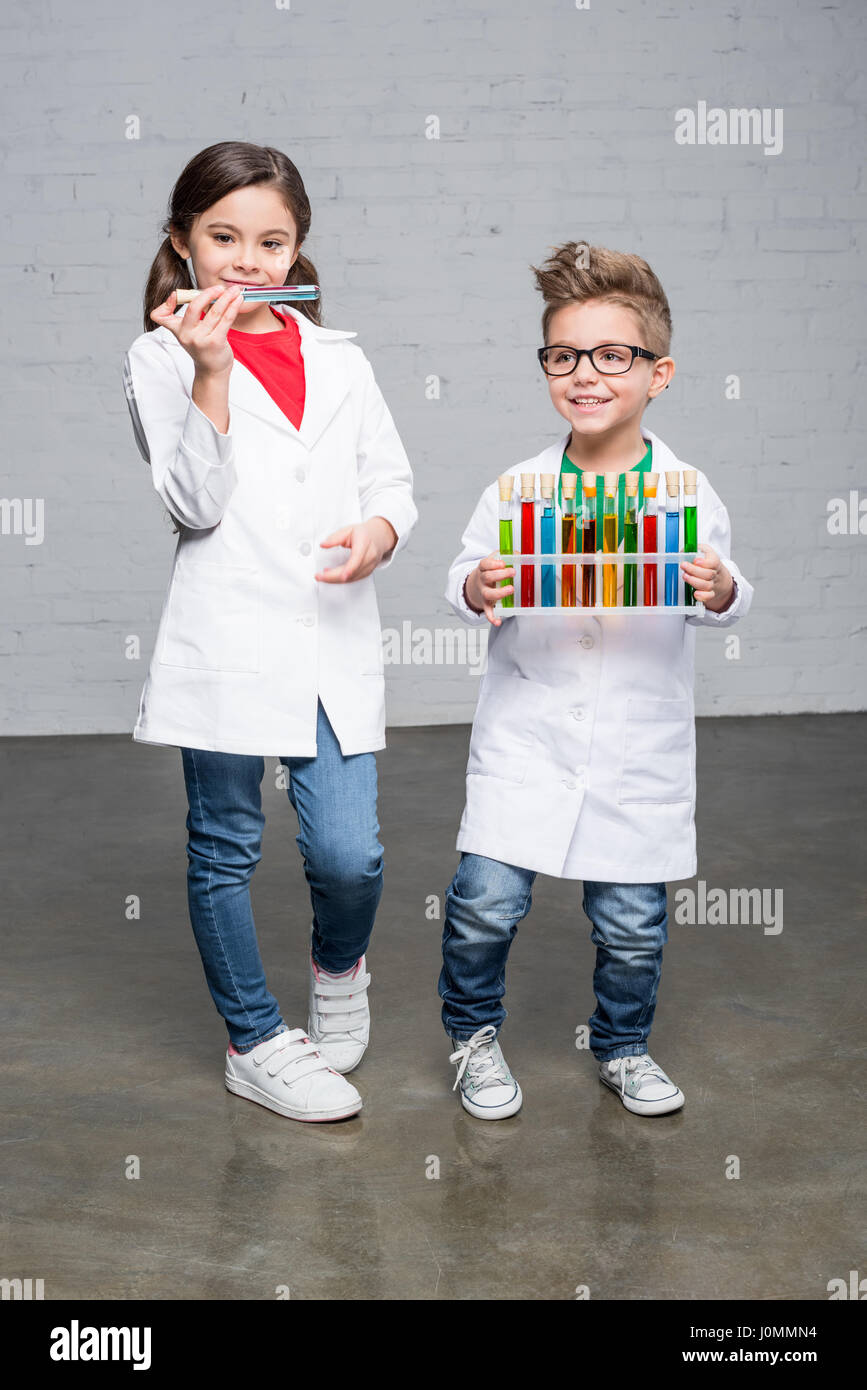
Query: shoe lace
(479, 1060)
(638, 1068)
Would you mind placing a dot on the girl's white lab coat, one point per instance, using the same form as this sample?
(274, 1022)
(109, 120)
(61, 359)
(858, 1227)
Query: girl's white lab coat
(248, 638)
(582, 753)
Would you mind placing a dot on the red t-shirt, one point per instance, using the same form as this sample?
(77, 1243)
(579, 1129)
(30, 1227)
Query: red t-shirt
(275, 360)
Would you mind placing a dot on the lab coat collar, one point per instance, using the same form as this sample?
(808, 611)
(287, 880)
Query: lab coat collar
(551, 458)
(326, 384)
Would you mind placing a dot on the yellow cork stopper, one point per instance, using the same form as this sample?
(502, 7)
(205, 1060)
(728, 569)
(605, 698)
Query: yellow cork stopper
(506, 482)
(570, 484)
(631, 484)
(611, 483)
(588, 484)
(650, 482)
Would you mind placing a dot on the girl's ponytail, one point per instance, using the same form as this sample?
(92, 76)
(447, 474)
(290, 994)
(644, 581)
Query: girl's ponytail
(168, 272)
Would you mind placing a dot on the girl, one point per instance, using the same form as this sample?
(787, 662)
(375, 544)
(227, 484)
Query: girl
(270, 444)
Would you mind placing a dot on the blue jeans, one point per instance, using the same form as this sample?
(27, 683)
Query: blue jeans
(335, 800)
(486, 900)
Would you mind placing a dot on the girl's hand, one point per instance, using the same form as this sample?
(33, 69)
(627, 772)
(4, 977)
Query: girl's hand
(482, 590)
(711, 580)
(202, 329)
(368, 541)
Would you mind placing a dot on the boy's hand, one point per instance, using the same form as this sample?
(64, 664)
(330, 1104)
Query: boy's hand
(711, 580)
(368, 541)
(482, 590)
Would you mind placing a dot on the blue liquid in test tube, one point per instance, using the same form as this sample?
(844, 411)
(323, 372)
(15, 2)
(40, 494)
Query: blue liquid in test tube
(546, 543)
(672, 536)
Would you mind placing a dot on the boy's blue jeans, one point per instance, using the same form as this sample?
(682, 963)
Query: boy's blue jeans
(335, 799)
(486, 900)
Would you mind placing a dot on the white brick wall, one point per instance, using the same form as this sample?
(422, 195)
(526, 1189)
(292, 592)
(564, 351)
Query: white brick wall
(556, 123)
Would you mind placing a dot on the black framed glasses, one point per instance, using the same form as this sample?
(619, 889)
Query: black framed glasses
(609, 359)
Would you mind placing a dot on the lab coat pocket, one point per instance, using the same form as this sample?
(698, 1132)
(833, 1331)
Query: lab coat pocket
(503, 736)
(213, 619)
(658, 752)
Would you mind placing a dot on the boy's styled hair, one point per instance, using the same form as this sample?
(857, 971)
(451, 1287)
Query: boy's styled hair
(209, 176)
(577, 272)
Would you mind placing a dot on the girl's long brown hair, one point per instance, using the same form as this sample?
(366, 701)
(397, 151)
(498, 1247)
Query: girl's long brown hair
(209, 176)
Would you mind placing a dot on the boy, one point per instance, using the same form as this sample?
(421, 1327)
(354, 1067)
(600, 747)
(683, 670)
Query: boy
(582, 753)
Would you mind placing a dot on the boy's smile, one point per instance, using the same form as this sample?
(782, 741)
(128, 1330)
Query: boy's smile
(604, 409)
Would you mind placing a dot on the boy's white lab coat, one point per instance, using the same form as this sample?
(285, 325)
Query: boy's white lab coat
(248, 638)
(582, 753)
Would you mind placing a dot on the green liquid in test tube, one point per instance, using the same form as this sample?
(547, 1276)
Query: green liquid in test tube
(630, 541)
(506, 483)
(690, 526)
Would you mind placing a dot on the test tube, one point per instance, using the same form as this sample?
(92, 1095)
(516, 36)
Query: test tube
(588, 540)
(547, 543)
(672, 534)
(650, 538)
(506, 483)
(609, 540)
(630, 540)
(528, 539)
(690, 526)
(568, 522)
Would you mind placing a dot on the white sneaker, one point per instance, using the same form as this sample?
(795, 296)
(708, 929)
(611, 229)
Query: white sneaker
(338, 1017)
(643, 1087)
(488, 1089)
(286, 1073)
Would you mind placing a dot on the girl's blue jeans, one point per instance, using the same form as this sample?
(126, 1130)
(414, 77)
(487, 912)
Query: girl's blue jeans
(335, 800)
(486, 900)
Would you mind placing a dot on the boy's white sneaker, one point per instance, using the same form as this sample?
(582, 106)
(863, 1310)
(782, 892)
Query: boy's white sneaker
(286, 1073)
(642, 1086)
(338, 1014)
(488, 1089)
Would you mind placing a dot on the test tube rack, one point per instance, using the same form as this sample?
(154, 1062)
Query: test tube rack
(660, 558)
(600, 559)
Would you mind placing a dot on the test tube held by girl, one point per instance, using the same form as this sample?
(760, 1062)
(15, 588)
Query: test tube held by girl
(505, 482)
(568, 547)
(588, 540)
(528, 538)
(672, 534)
(690, 526)
(547, 539)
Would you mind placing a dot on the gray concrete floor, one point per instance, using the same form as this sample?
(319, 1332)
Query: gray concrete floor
(113, 1048)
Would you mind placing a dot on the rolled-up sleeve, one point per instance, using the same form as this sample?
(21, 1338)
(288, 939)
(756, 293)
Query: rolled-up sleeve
(192, 464)
(384, 473)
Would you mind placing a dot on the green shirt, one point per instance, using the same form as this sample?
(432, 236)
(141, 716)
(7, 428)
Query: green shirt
(645, 466)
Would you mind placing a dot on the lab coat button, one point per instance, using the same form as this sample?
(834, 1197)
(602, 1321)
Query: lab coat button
(567, 782)
(309, 619)
(301, 475)
(578, 714)
(305, 547)
(587, 642)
